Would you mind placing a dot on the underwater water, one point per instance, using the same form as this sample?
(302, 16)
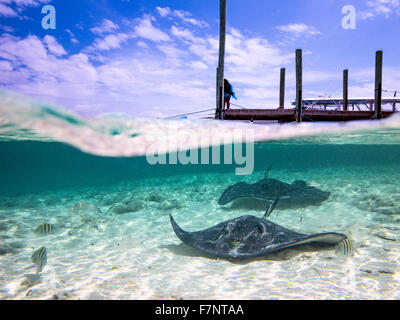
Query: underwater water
(109, 208)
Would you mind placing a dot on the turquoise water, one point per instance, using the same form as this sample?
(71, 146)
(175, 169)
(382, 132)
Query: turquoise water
(113, 238)
(31, 167)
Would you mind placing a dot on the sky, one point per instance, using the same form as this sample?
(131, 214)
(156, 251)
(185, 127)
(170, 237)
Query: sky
(150, 58)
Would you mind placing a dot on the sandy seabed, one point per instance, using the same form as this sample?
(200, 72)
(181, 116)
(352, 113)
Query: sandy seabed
(117, 242)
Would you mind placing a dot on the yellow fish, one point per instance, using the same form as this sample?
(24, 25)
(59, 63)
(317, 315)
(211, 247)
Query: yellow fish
(39, 258)
(45, 229)
(347, 247)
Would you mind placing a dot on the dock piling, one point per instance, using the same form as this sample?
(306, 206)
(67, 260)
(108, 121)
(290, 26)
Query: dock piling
(217, 109)
(299, 84)
(221, 59)
(345, 90)
(221, 106)
(378, 84)
(282, 89)
(320, 107)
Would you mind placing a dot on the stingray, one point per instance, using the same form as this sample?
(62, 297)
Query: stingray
(249, 237)
(298, 193)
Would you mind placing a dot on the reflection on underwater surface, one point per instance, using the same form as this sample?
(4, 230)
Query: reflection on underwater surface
(31, 166)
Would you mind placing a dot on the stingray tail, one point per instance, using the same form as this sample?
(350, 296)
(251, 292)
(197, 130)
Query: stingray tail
(273, 205)
(177, 229)
(271, 208)
(266, 175)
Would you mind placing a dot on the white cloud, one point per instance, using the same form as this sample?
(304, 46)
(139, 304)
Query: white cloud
(299, 29)
(107, 26)
(40, 72)
(184, 72)
(111, 41)
(72, 36)
(53, 46)
(205, 51)
(142, 45)
(163, 73)
(108, 38)
(39, 57)
(7, 28)
(25, 3)
(199, 65)
(175, 56)
(6, 11)
(253, 55)
(5, 66)
(185, 16)
(236, 33)
(146, 30)
(182, 33)
(124, 83)
(79, 25)
(380, 8)
(163, 12)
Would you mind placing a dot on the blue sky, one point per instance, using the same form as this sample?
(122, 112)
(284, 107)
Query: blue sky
(158, 58)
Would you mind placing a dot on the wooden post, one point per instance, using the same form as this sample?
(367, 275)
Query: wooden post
(378, 84)
(218, 109)
(299, 84)
(345, 90)
(221, 107)
(282, 89)
(221, 60)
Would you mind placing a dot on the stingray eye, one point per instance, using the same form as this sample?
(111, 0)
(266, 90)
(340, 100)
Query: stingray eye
(260, 229)
(224, 231)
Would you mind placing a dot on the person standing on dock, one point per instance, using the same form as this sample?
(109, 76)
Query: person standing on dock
(228, 93)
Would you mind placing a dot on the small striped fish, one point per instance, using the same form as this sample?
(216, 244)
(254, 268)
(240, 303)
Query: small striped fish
(346, 246)
(39, 258)
(45, 229)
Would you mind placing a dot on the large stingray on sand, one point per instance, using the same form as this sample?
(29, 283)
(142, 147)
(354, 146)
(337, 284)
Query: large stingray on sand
(249, 237)
(296, 194)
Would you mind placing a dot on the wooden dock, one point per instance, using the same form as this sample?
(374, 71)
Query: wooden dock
(319, 109)
(289, 115)
(311, 109)
(345, 104)
(331, 109)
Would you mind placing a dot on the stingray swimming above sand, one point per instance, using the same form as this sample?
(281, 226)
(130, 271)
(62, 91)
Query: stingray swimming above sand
(296, 194)
(249, 237)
